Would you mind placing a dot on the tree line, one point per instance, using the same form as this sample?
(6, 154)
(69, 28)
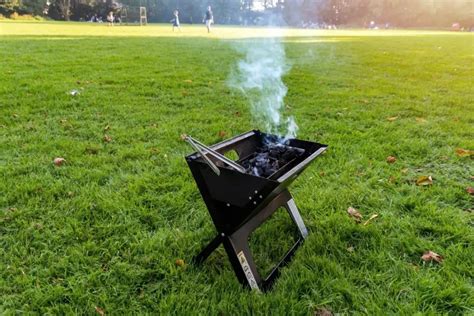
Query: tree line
(398, 13)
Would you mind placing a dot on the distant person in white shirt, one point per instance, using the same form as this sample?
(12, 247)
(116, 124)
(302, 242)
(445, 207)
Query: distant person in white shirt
(209, 19)
(175, 20)
(110, 19)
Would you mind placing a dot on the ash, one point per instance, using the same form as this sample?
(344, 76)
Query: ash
(269, 158)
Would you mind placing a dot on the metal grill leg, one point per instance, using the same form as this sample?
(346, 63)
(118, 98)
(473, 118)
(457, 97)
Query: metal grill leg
(295, 215)
(238, 249)
(208, 249)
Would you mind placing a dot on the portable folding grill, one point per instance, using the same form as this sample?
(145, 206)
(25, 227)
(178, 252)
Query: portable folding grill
(240, 199)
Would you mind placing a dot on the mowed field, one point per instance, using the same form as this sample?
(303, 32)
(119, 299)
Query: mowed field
(102, 232)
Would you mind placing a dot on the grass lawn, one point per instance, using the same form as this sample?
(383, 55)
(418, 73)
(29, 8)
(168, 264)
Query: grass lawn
(105, 229)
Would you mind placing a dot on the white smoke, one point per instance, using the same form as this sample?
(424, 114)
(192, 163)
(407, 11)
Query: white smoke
(259, 75)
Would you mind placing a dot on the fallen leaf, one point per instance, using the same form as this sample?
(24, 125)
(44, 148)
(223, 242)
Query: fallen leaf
(371, 218)
(350, 249)
(179, 262)
(323, 312)
(106, 128)
(391, 159)
(392, 118)
(470, 190)
(464, 152)
(188, 81)
(404, 170)
(38, 226)
(70, 194)
(15, 115)
(431, 256)
(12, 209)
(92, 150)
(392, 179)
(58, 161)
(424, 180)
(222, 134)
(107, 138)
(472, 177)
(420, 120)
(322, 174)
(99, 311)
(355, 214)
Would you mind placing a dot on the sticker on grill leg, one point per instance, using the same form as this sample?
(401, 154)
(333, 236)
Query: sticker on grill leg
(248, 272)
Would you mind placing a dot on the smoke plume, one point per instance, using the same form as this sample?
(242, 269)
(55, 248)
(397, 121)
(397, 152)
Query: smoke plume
(259, 75)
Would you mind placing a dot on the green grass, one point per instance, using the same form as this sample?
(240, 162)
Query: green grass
(106, 228)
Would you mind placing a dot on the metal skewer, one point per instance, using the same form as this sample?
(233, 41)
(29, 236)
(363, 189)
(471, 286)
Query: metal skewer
(219, 156)
(203, 150)
(203, 155)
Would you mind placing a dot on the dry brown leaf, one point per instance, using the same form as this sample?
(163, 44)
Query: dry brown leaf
(392, 118)
(470, 190)
(107, 138)
(424, 180)
(99, 311)
(391, 159)
(323, 312)
(59, 161)
(464, 152)
(431, 256)
(355, 214)
(222, 134)
(179, 262)
(371, 218)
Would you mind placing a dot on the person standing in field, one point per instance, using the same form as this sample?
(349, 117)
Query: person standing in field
(110, 19)
(175, 20)
(209, 19)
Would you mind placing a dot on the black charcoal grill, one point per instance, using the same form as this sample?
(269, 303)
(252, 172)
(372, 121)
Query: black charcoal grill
(242, 195)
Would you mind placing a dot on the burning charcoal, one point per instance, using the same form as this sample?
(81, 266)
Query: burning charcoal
(270, 157)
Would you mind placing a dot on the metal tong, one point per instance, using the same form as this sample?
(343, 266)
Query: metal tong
(203, 150)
